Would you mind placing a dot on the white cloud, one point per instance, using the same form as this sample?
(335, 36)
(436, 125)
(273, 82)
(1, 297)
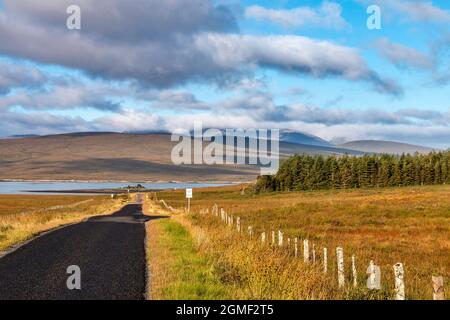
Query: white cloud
(328, 15)
(403, 56)
(290, 53)
(421, 10)
(412, 10)
(295, 54)
(63, 96)
(14, 76)
(130, 120)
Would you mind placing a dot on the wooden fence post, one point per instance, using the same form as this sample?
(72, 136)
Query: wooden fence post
(354, 272)
(374, 279)
(399, 281)
(313, 253)
(296, 247)
(340, 266)
(273, 237)
(280, 238)
(325, 260)
(250, 231)
(263, 237)
(238, 224)
(438, 288)
(289, 242)
(306, 251)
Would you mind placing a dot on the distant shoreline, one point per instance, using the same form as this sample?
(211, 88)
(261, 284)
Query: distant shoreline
(91, 191)
(127, 182)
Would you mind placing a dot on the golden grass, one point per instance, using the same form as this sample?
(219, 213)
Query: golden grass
(253, 271)
(12, 204)
(25, 216)
(408, 225)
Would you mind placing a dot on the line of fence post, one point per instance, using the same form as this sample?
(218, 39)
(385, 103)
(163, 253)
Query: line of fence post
(373, 271)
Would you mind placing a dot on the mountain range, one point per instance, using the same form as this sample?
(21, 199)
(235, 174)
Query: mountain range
(146, 156)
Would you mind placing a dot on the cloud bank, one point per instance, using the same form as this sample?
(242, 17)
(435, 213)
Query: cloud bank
(174, 43)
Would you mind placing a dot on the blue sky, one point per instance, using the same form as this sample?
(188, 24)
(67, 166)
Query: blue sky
(310, 66)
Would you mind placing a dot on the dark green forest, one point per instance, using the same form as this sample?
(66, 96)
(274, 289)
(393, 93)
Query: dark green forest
(303, 172)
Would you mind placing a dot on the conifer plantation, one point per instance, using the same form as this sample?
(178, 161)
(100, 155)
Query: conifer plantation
(304, 172)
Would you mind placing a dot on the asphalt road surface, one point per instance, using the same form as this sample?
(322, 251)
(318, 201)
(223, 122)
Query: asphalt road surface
(109, 251)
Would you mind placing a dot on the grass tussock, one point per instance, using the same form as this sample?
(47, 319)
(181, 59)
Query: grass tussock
(24, 217)
(409, 225)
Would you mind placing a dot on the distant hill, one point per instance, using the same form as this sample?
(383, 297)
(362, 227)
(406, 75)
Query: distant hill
(303, 138)
(390, 147)
(285, 136)
(121, 157)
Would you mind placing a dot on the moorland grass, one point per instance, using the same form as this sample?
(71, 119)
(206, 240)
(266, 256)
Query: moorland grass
(409, 225)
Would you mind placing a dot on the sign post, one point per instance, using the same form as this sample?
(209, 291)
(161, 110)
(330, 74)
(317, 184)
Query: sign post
(189, 197)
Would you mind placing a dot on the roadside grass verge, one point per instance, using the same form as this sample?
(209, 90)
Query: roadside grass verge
(178, 270)
(25, 217)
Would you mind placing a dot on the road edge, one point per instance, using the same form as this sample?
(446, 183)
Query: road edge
(147, 294)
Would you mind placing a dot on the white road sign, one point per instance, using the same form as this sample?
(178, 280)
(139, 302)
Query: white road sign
(188, 193)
